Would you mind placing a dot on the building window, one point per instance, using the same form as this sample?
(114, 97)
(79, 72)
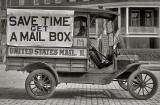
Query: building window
(143, 17)
(21, 2)
(135, 18)
(149, 17)
(36, 2)
(57, 1)
(47, 1)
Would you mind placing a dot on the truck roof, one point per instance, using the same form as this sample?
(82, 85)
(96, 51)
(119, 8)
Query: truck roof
(97, 13)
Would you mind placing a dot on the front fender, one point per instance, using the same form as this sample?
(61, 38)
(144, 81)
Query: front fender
(132, 67)
(125, 73)
(41, 65)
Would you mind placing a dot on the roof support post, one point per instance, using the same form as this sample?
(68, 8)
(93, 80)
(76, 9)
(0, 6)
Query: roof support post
(127, 19)
(119, 18)
(159, 19)
(159, 26)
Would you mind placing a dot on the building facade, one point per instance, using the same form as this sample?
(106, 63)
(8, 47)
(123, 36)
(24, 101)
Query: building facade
(138, 23)
(32, 2)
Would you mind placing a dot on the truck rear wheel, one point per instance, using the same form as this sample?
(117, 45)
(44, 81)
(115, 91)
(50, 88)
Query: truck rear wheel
(123, 83)
(142, 84)
(40, 84)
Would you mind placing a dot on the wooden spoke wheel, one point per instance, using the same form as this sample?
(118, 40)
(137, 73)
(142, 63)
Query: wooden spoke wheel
(142, 84)
(40, 84)
(123, 83)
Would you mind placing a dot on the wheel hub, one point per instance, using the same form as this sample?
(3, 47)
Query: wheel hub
(142, 84)
(41, 83)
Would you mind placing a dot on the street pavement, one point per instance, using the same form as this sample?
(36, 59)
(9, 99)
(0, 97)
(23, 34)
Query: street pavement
(12, 92)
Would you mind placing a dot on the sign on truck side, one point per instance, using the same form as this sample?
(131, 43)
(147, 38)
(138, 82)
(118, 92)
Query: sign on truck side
(41, 33)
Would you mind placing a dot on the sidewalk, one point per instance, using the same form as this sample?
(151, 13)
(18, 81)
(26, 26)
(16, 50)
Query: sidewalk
(77, 94)
(12, 92)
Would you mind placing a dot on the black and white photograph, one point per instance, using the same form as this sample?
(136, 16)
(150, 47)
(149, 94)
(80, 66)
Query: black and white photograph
(79, 52)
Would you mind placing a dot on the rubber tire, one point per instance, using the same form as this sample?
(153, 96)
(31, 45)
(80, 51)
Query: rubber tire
(31, 75)
(152, 92)
(122, 85)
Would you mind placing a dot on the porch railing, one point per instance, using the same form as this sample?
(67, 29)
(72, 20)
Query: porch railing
(140, 30)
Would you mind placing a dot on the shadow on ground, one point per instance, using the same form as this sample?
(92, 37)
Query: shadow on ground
(76, 93)
(96, 93)
(13, 93)
(69, 93)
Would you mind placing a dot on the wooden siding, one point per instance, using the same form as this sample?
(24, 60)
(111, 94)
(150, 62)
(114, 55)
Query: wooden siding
(61, 65)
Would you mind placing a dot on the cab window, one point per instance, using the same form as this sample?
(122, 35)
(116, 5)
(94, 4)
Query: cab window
(80, 24)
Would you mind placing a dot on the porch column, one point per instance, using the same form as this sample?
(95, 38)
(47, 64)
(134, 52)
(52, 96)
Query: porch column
(119, 18)
(127, 20)
(127, 23)
(159, 27)
(159, 19)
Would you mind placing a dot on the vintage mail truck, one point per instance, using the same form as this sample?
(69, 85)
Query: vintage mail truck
(45, 42)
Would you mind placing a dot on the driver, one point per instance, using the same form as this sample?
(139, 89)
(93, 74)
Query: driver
(82, 31)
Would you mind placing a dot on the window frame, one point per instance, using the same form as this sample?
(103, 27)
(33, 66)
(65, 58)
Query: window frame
(45, 1)
(21, 2)
(138, 18)
(152, 18)
(58, 1)
(36, 2)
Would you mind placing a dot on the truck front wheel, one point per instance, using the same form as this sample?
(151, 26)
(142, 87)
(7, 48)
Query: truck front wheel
(142, 84)
(40, 84)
